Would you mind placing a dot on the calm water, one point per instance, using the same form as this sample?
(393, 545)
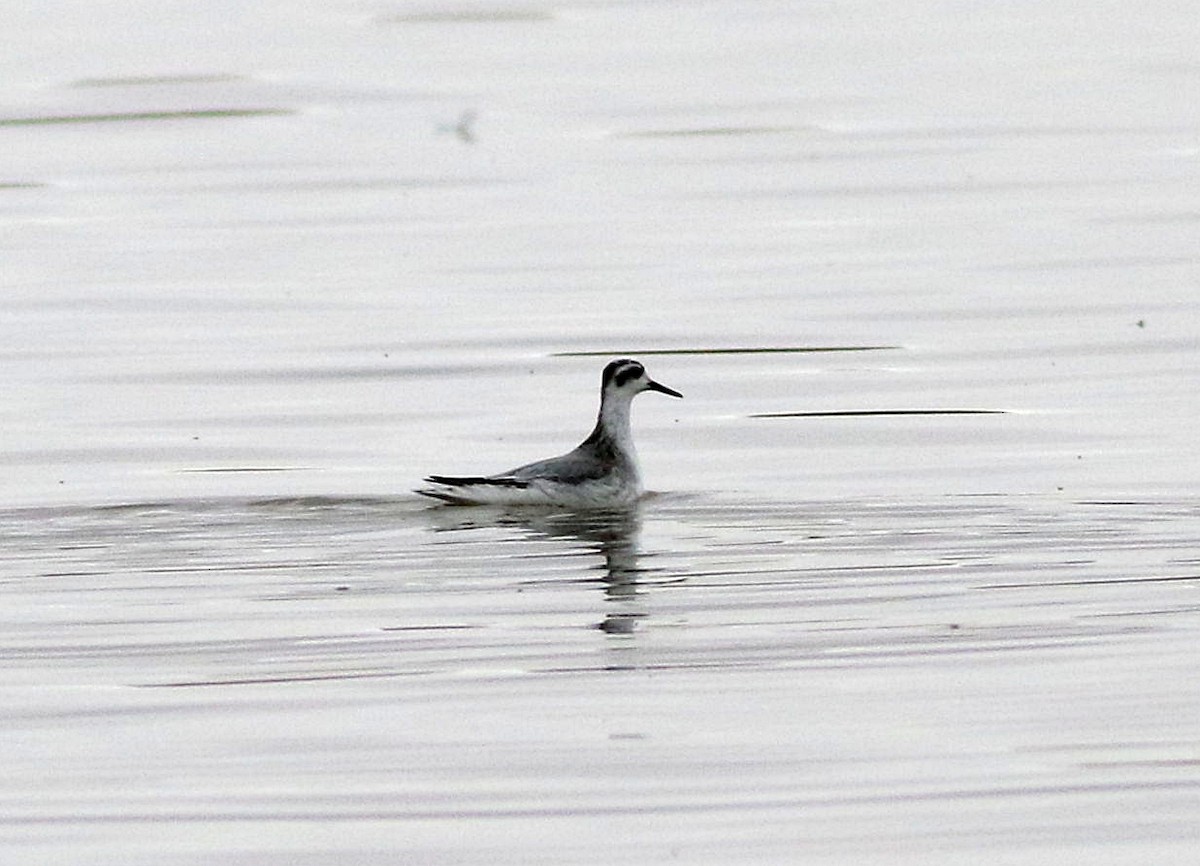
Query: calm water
(920, 581)
(706, 680)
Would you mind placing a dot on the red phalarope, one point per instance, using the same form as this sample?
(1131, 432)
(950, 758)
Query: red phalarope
(601, 473)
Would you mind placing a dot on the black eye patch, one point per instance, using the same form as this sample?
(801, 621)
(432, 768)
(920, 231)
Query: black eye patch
(628, 372)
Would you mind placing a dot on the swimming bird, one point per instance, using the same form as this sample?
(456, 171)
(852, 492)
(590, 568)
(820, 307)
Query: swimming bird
(601, 473)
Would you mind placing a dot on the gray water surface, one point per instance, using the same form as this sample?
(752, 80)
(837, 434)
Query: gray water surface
(918, 581)
(703, 679)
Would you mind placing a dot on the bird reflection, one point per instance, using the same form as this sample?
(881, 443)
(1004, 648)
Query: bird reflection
(612, 535)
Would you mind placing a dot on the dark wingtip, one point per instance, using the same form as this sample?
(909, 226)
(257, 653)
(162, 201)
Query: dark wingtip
(473, 481)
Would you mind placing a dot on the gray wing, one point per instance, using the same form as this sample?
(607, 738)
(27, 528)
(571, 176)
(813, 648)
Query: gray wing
(578, 465)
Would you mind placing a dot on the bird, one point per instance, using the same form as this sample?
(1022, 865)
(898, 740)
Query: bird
(602, 472)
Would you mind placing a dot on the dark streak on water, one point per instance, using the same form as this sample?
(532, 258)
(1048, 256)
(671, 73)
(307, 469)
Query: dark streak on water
(860, 413)
(138, 116)
(724, 350)
(158, 80)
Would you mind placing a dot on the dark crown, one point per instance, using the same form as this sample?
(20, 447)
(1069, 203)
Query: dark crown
(621, 371)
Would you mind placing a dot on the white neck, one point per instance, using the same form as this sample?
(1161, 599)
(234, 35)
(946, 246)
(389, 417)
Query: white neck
(614, 418)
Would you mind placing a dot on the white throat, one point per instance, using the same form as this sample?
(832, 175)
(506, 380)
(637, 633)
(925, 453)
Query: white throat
(614, 418)
(616, 428)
